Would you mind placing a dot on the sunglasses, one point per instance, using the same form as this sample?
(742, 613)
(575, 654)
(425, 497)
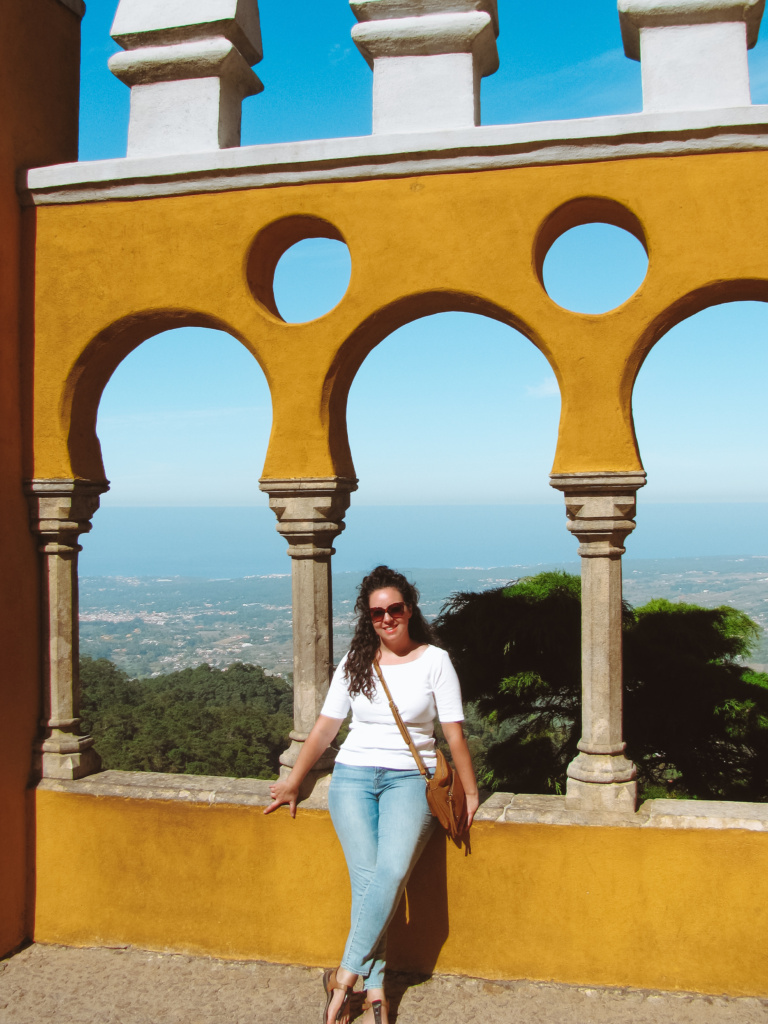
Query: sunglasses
(393, 611)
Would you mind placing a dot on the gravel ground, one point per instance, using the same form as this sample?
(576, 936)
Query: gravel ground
(133, 986)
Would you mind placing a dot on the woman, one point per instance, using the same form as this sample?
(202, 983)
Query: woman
(377, 796)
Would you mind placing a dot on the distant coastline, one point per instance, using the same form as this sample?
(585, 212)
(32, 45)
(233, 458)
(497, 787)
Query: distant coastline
(239, 542)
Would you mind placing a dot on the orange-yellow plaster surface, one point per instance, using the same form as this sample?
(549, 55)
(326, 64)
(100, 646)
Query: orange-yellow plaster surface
(110, 274)
(655, 908)
(39, 76)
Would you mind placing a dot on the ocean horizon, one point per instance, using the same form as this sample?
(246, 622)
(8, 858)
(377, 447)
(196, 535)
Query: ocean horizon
(235, 542)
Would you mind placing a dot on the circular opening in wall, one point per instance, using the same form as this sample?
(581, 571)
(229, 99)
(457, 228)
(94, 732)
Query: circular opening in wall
(299, 268)
(591, 255)
(311, 278)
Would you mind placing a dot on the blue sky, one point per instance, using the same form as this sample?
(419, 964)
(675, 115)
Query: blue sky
(474, 406)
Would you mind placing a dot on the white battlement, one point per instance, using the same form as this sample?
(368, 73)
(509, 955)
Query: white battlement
(428, 57)
(188, 65)
(693, 53)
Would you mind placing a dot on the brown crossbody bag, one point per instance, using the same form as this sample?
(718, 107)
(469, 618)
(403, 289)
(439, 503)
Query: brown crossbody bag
(445, 793)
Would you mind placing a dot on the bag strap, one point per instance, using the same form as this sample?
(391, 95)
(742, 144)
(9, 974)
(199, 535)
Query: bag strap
(400, 724)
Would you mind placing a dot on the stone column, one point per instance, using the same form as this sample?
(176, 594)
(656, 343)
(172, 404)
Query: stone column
(60, 510)
(601, 509)
(428, 57)
(188, 64)
(693, 53)
(310, 515)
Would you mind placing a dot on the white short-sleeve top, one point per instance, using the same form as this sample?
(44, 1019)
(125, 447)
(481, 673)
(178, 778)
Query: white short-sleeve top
(422, 689)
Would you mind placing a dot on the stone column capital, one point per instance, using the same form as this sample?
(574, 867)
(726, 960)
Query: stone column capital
(600, 508)
(310, 512)
(60, 510)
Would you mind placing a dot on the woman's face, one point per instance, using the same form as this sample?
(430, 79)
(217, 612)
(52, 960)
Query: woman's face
(392, 626)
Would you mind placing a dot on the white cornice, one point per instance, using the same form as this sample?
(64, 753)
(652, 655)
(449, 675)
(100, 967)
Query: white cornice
(491, 147)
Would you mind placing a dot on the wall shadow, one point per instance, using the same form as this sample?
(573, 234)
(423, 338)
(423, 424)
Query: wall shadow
(420, 926)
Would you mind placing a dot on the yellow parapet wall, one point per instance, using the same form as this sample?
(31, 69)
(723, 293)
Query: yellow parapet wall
(683, 909)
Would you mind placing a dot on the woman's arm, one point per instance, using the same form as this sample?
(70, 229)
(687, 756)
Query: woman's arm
(286, 791)
(462, 760)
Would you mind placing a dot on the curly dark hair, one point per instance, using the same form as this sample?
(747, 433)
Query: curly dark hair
(365, 642)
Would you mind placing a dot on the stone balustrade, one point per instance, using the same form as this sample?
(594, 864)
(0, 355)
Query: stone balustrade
(693, 53)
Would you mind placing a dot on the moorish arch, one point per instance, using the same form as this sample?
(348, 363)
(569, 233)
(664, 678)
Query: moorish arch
(474, 397)
(62, 510)
(687, 429)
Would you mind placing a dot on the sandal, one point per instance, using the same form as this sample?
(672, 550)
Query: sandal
(376, 1007)
(330, 984)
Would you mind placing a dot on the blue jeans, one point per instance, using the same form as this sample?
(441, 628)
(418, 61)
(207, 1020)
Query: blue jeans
(383, 822)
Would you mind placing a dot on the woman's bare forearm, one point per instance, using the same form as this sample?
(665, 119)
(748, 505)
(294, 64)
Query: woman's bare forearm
(286, 791)
(462, 761)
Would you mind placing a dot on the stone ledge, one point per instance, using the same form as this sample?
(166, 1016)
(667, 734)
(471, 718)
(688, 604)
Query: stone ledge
(502, 808)
(490, 147)
(195, 789)
(706, 814)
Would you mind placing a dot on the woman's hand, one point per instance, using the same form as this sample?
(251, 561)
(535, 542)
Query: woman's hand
(473, 802)
(286, 791)
(454, 734)
(283, 792)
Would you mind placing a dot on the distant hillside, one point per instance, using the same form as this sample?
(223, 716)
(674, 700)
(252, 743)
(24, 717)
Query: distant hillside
(151, 625)
(199, 721)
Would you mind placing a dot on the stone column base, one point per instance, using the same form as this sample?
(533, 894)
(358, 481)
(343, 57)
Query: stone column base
(74, 765)
(316, 781)
(606, 798)
(289, 756)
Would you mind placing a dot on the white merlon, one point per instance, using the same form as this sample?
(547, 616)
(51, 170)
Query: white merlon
(693, 53)
(428, 57)
(188, 65)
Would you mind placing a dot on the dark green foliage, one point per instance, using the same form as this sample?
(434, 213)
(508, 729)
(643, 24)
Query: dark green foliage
(696, 720)
(201, 721)
(526, 687)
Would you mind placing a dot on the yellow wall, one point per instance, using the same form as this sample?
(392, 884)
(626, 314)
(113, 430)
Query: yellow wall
(656, 908)
(652, 908)
(419, 245)
(39, 77)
